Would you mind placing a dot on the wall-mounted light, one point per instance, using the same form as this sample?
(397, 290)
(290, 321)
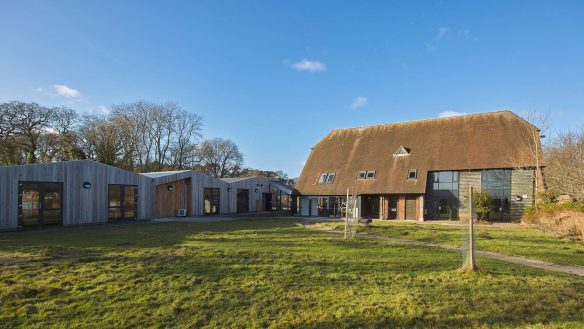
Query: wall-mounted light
(517, 198)
(86, 185)
(229, 189)
(170, 188)
(256, 190)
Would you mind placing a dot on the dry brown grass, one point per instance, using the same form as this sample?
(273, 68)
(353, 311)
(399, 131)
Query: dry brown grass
(563, 222)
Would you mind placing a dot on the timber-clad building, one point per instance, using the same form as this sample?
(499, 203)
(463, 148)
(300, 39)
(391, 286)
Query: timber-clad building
(85, 192)
(424, 169)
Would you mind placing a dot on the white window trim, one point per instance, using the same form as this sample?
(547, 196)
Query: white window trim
(369, 172)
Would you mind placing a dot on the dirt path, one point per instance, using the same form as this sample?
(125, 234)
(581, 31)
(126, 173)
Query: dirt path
(571, 269)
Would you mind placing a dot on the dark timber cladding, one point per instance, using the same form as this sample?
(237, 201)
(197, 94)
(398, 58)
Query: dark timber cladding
(84, 196)
(423, 169)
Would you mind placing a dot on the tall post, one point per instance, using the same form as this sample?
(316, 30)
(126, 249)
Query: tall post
(347, 214)
(470, 262)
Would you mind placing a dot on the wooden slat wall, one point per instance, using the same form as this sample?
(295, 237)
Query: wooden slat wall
(249, 184)
(80, 206)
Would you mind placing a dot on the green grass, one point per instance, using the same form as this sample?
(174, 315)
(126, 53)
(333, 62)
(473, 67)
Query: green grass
(263, 273)
(512, 239)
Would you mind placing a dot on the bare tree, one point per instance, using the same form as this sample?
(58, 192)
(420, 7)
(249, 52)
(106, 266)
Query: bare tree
(101, 140)
(188, 130)
(30, 123)
(530, 140)
(220, 157)
(565, 164)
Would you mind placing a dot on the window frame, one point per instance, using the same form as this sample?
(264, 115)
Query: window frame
(328, 178)
(369, 172)
(361, 174)
(322, 177)
(415, 172)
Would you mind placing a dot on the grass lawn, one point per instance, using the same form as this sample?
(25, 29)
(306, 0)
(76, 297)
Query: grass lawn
(263, 273)
(512, 240)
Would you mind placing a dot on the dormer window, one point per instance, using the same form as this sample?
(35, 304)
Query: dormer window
(330, 178)
(413, 174)
(326, 178)
(366, 174)
(401, 151)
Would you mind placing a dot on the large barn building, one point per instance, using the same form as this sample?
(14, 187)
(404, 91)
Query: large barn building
(424, 169)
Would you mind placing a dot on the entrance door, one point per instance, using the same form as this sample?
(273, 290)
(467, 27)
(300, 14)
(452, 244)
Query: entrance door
(40, 203)
(211, 201)
(411, 208)
(122, 202)
(445, 209)
(242, 200)
(370, 204)
(392, 211)
(267, 198)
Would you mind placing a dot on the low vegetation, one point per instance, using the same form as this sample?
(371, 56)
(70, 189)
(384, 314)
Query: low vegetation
(565, 219)
(263, 273)
(511, 239)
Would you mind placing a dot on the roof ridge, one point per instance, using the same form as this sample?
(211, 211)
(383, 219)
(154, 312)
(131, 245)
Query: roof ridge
(425, 120)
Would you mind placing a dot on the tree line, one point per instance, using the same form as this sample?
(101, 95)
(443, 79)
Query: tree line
(141, 136)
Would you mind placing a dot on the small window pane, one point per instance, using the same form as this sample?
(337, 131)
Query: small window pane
(361, 175)
(331, 178)
(322, 178)
(371, 174)
(445, 176)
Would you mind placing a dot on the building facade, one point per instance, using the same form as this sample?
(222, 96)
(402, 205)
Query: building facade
(424, 169)
(85, 192)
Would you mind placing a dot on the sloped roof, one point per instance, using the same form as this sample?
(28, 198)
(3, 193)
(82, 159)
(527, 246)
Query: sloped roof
(477, 141)
(235, 179)
(159, 174)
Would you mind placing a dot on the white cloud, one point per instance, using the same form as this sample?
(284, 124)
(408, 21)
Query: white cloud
(310, 66)
(448, 114)
(358, 102)
(440, 34)
(66, 91)
(39, 89)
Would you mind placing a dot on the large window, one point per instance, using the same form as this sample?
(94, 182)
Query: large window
(40, 203)
(442, 195)
(280, 200)
(211, 200)
(497, 183)
(122, 202)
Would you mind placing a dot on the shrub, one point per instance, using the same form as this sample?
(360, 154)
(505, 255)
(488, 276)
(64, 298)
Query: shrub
(546, 198)
(481, 201)
(565, 219)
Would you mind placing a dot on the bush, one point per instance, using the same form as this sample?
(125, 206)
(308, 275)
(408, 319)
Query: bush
(565, 219)
(547, 198)
(482, 202)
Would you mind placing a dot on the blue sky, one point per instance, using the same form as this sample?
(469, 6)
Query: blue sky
(276, 76)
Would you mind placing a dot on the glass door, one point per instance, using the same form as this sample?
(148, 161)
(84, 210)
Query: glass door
(211, 198)
(40, 203)
(122, 202)
(242, 201)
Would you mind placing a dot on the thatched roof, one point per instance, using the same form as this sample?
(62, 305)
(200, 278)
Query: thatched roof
(477, 141)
